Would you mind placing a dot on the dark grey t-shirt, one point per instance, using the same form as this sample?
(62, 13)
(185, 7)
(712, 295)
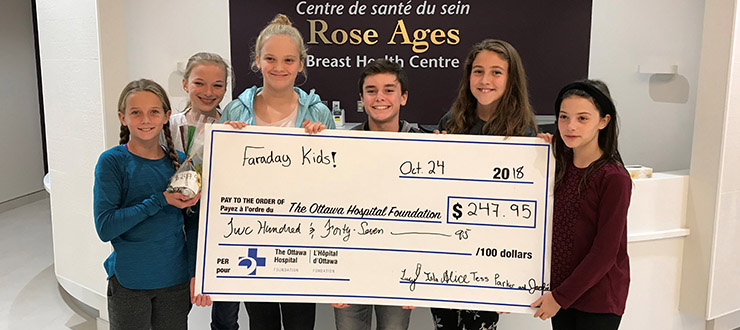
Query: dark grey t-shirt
(477, 128)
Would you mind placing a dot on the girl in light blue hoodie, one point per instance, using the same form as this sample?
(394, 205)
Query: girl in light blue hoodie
(279, 55)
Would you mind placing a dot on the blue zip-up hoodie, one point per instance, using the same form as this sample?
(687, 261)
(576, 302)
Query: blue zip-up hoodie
(310, 107)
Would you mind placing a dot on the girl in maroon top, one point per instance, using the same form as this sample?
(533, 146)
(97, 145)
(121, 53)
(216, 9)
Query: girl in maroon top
(590, 267)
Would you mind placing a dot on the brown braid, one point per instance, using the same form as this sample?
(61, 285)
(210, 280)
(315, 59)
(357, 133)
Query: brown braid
(146, 85)
(172, 153)
(124, 135)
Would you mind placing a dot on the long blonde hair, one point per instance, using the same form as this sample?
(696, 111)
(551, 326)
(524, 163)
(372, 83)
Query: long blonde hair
(280, 25)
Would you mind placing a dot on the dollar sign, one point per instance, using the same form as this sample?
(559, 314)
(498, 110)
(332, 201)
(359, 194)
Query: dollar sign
(456, 213)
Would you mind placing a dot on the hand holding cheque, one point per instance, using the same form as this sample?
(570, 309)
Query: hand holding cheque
(376, 218)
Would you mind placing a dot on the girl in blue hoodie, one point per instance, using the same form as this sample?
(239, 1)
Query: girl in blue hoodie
(279, 55)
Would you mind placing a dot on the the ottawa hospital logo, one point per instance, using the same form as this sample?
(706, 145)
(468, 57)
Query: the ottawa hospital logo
(252, 261)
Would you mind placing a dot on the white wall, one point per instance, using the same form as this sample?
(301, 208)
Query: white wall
(726, 276)
(134, 44)
(70, 66)
(706, 162)
(153, 48)
(629, 33)
(711, 263)
(21, 168)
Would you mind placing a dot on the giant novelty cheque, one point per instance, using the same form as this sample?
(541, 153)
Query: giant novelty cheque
(405, 219)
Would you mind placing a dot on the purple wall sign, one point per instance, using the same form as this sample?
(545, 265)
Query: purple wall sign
(430, 39)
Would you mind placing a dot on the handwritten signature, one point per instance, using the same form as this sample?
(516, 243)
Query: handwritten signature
(411, 278)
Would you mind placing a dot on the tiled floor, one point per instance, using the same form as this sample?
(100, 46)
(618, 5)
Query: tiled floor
(30, 297)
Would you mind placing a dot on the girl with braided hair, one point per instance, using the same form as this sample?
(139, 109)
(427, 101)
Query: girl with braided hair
(153, 240)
